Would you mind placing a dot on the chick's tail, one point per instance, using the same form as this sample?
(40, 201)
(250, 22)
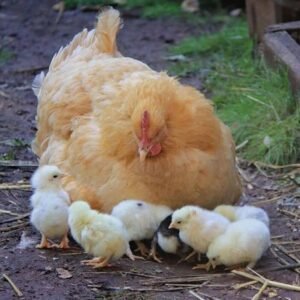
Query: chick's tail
(109, 23)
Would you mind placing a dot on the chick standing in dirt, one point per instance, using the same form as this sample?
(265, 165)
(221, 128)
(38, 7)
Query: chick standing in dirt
(101, 235)
(141, 219)
(168, 240)
(50, 206)
(244, 241)
(234, 213)
(198, 227)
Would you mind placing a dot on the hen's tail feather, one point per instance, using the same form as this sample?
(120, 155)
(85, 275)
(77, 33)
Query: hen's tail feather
(109, 23)
(102, 39)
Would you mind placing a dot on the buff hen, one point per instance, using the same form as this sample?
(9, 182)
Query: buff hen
(124, 131)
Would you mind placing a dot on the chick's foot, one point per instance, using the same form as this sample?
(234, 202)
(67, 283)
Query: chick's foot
(45, 244)
(206, 266)
(154, 256)
(97, 262)
(64, 244)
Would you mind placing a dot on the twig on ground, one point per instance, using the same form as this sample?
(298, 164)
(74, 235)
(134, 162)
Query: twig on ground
(15, 288)
(288, 213)
(18, 164)
(239, 286)
(196, 295)
(261, 290)
(19, 217)
(258, 203)
(10, 228)
(205, 295)
(262, 280)
(133, 289)
(283, 267)
(275, 167)
(10, 186)
(3, 211)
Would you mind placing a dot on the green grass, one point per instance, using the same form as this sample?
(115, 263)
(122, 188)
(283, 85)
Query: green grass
(5, 56)
(253, 100)
(152, 8)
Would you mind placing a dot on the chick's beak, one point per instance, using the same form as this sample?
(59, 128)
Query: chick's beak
(171, 226)
(143, 154)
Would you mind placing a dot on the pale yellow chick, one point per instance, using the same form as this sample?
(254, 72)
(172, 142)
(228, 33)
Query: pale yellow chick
(141, 219)
(198, 227)
(101, 235)
(50, 206)
(244, 241)
(234, 213)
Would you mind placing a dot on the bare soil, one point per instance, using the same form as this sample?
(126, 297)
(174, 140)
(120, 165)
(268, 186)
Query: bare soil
(28, 30)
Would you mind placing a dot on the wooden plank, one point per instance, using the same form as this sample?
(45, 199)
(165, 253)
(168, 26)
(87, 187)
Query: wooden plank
(290, 26)
(280, 47)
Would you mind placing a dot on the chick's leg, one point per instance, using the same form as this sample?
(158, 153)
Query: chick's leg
(97, 262)
(153, 252)
(132, 256)
(188, 256)
(44, 243)
(64, 244)
(206, 266)
(142, 248)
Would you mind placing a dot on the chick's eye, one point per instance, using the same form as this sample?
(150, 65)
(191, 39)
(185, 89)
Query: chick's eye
(178, 222)
(140, 204)
(55, 176)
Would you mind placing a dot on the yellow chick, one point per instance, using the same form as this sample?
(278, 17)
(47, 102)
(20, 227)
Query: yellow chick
(101, 235)
(141, 219)
(50, 206)
(244, 241)
(234, 213)
(198, 227)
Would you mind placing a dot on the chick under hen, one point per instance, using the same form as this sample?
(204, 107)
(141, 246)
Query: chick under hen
(124, 131)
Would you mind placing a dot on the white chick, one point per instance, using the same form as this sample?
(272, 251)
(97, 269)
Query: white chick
(198, 227)
(50, 206)
(101, 235)
(141, 219)
(244, 241)
(234, 213)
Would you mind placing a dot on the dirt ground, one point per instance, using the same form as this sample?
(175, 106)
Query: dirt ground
(29, 31)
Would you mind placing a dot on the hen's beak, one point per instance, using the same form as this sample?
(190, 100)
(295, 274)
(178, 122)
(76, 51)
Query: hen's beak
(143, 154)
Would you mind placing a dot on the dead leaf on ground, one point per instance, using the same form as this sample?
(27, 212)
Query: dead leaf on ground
(63, 273)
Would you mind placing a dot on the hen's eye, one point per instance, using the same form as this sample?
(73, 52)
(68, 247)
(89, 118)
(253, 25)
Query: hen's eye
(55, 176)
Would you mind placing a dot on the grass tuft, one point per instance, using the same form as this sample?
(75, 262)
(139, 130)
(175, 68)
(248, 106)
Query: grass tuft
(253, 100)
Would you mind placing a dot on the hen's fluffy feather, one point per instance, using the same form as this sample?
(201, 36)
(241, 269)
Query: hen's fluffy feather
(244, 241)
(89, 122)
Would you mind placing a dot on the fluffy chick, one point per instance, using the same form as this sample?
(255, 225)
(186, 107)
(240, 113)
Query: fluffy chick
(141, 219)
(198, 227)
(50, 206)
(244, 241)
(168, 240)
(101, 235)
(234, 213)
